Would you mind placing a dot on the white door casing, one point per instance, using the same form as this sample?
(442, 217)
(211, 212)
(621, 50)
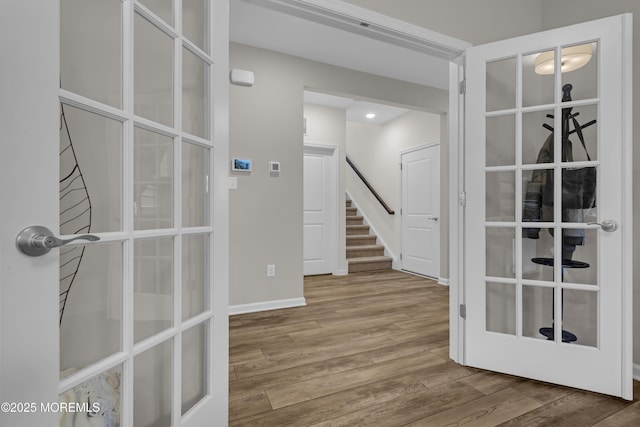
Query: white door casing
(421, 210)
(508, 295)
(320, 211)
(32, 349)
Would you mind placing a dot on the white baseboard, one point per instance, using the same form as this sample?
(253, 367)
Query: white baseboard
(266, 306)
(341, 272)
(443, 281)
(636, 371)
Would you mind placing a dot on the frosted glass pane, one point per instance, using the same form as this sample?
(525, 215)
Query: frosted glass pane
(501, 84)
(195, 22)
(195, 274)
(153, 180)
(537, 89)
(195, 102)
(580, 246)
(500, 252)
(501, 308)
(537, 141)
(537, 310)
(195, 191)
(580, 315)
(91, 49)
(194, 366)
(152, 286)
(501, 196)
(100, 396)
(153, 69)
(585, 79)
(501, 140)
(90, 172)
(90, 303)
(537, 200)
(152, 386)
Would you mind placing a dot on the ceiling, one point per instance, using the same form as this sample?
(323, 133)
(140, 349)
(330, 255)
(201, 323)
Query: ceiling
(356, 109)
(261, 27)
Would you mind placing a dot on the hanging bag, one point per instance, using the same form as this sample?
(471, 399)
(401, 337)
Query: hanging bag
(578, 184)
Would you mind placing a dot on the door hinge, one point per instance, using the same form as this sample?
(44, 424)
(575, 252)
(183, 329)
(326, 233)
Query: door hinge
(463, 311)
(463, 87)
(400, 211)
(400, 166)
(400, 256)
(462, 198)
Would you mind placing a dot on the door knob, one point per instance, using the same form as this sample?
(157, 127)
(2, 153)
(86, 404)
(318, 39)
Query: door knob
(608, 225)
(38, 240)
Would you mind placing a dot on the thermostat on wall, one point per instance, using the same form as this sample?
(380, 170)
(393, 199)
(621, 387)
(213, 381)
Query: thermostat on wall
(274, 167)
(241, 165)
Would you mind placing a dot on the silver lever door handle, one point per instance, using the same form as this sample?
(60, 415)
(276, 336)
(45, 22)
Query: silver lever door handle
(433, 218)
(38, 240)
(608, 225)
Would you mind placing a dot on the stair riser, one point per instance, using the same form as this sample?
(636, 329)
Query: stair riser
(351, 211)
(372, 266)
(356, 220)
(359, 231)
(362, 241)
(358, 253)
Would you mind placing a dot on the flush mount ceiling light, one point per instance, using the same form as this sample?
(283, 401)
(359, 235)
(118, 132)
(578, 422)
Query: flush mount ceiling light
(573, 57)
(370, 115)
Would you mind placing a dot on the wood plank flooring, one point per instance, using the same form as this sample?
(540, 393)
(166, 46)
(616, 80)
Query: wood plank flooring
(372, 349)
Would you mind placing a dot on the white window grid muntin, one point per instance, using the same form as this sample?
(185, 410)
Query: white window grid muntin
(123, 359)
(557, 167)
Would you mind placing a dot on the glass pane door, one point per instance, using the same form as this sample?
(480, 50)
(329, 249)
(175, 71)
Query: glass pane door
(136, 157)
(540, 181)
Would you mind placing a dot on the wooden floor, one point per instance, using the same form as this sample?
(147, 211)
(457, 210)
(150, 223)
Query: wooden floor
(372, 349)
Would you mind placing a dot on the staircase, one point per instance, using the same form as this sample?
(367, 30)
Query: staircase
(363, 253)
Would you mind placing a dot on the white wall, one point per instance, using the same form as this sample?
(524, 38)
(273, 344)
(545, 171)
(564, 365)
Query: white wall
(375, 150)
(327, 126)
(266, 124)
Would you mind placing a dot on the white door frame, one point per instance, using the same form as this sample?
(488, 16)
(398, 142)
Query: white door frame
(333, 153)
(402, 153)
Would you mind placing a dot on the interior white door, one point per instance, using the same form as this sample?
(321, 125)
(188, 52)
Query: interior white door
(547, 289)
(127, 324)
(421, 211)
(319, 209)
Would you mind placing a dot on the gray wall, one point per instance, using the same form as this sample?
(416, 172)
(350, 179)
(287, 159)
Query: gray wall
(266, 124)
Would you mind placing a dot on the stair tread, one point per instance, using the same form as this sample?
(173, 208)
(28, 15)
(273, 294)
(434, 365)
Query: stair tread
(360, 236)
(362, 260)
(365, 247)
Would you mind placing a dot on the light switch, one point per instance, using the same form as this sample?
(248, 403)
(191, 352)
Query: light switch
(233, 183)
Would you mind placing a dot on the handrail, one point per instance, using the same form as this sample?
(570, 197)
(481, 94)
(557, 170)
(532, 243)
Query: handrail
(373, 191)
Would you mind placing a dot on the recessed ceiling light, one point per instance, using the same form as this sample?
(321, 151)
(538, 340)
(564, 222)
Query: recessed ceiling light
(370, 115)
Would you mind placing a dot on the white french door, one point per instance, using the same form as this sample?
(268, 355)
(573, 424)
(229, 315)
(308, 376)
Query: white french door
(421, 211)
(118, 142)
(548, 267)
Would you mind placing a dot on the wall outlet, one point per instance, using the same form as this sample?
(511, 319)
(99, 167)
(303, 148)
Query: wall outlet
(271, 270)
